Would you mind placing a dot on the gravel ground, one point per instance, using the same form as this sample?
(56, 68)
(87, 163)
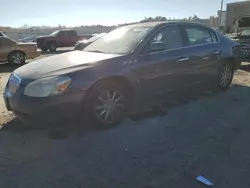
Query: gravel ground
(207, 136)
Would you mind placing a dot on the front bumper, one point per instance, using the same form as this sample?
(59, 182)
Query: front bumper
(245, 55)
(30, 109)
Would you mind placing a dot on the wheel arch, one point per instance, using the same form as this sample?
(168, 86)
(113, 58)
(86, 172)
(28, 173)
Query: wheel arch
(13, 51)
(118, 80)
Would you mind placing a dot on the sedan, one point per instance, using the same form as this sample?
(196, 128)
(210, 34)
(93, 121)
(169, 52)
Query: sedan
(105, 81)
(16, 53)
(84, 43)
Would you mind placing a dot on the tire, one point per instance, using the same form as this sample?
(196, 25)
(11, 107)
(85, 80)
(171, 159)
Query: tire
(99, 113)
(225, 76)
(16, 58)
(52, 47)
(44, 49)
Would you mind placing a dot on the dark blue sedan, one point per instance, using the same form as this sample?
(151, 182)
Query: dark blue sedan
(105, 80)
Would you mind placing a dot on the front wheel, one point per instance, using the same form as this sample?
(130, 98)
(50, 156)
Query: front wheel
(16, 58)
(226, 76)
(52, 47)
(105, 105)
(44, 49)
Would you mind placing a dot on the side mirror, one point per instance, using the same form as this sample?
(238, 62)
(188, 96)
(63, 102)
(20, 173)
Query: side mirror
(157, 47)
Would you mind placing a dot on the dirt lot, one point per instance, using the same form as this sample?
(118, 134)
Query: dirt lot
(207, 135)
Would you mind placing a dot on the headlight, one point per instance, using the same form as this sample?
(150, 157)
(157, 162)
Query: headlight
(45, 87)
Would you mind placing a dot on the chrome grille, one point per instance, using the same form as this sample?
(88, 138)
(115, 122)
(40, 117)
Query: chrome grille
(13, 84)
(245, 44)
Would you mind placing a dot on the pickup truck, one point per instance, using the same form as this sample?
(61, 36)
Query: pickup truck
(59, 38)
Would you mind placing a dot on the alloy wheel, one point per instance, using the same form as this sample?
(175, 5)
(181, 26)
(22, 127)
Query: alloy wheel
(109, 106)
(17, 58)
(226, 76)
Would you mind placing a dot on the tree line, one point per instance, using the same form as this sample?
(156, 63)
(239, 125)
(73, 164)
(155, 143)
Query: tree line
(26, 28)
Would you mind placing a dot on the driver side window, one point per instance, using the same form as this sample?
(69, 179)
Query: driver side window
(168, 38)
(61, 34)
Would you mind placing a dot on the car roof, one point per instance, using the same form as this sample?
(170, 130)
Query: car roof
(155, 24)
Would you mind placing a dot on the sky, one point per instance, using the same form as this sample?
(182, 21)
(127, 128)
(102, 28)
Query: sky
(17, 13)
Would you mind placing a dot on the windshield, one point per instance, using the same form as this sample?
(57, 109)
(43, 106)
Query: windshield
(119, 41)
(54, 33)
(92, 39)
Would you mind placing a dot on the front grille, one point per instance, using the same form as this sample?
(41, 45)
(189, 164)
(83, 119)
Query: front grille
(13, 84)
(245, 44)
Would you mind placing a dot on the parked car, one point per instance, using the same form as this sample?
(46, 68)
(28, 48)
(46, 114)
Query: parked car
(60, 38)
(243, 38)
(105, 80)
(16, 53)
(83, 43)
(28, 39)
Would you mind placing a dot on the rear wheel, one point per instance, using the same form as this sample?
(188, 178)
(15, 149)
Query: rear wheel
(105, 105)
(16, 58)
(226, 76)
(44, 49)
(52, 47)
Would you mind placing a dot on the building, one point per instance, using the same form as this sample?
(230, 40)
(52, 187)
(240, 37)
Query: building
(233, 12)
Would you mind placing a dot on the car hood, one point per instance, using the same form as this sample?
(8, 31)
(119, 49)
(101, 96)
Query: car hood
(61, 64)
(43, 37)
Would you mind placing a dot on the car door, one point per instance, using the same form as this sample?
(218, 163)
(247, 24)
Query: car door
(72, 38)
(61, 39)
(204, 49)
(6, 46)
(168, 69)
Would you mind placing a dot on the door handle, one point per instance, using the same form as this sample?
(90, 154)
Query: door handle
(182, 59)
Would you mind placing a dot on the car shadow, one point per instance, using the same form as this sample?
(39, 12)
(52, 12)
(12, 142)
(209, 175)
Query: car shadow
(62, 129)
(7, 68)
(54, 130)
(78, 127)
(245, 67)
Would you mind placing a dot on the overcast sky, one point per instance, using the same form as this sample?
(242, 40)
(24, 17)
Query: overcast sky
(107, 12)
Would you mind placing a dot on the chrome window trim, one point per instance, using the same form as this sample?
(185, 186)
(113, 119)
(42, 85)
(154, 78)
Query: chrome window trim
(179, 25)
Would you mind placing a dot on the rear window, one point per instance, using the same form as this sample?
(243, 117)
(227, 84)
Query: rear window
(199, 35)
